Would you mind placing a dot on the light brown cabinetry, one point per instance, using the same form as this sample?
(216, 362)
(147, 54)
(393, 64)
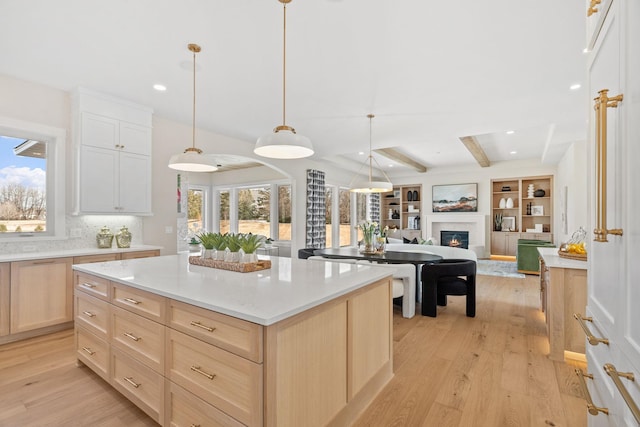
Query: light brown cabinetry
(510, 198)
(405, 202)
(5, 292)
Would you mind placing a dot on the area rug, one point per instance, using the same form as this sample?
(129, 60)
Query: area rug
(488, 267)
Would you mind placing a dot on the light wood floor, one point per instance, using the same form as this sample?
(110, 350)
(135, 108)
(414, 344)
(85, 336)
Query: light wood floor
(490, 370)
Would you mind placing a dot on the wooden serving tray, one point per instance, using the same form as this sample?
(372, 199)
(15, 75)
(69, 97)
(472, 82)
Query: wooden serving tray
(580, 257)
(240, 267)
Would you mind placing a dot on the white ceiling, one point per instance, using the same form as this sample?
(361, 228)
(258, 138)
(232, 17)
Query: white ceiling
(431, 71)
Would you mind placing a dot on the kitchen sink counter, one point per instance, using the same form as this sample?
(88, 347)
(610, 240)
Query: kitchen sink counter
(26, 256)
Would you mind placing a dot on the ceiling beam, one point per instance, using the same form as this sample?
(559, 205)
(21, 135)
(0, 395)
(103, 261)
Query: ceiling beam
(396, 155)
(476, 150)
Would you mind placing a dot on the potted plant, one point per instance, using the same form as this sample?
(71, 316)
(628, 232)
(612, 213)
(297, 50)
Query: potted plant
(233, 244)
(207, 240)
(219, 244)
(249, 243)
(497, 222)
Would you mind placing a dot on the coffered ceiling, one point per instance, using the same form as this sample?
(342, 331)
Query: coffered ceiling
(431, 72)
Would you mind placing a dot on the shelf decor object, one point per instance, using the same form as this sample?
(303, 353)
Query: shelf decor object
(284, 142)
(509, 204)
(104, 238)
(192, 159)
(371, 186)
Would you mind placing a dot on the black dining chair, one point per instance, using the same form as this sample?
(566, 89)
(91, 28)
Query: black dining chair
(448, 277)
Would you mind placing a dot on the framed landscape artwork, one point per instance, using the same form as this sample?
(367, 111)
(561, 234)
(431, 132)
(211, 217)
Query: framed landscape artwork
(455, 198)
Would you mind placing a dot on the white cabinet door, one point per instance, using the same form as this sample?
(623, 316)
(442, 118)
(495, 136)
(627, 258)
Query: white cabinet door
(98, 180)
(135, 138)
(135, 183)
(99, 131)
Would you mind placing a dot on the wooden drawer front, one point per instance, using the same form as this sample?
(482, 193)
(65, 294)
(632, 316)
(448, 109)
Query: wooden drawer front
(93, 352)
(238, 336)
(94, 258)
(138, 337)
(140, 302)
(138, 383)
(96, 286)
(185, 409)
(229, 382)
(92, 313)
(140, 254)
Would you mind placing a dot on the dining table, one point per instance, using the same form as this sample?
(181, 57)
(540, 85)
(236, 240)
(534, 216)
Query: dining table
(389, 257)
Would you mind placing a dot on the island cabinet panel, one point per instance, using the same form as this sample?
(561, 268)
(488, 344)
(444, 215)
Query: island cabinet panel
(84, 259)
(143, 303)
(185, 409)
(139, 254)
(92, 351)
(231, 383)
(92, 314)
(5, 292)
(141, 338)
(235, 335)
(139, 383)
(41, 293)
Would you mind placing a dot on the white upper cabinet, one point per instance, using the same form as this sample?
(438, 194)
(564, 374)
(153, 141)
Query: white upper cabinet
(595, 11)
(113, 153)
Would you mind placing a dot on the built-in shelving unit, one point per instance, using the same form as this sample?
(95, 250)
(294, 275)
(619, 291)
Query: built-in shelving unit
(400, 210)
(524, 217)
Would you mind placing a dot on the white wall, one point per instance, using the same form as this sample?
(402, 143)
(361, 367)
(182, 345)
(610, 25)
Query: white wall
(572, 174)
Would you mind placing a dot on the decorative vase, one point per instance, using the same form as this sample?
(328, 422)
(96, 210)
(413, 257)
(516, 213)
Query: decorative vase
(503, 203)
(104, 238)
(509, 203)
(409, 196)
(219, 255)
(232, 256)
(252, 257)
(539, 193)
(207, 254)
(415, 196)
(123, 238)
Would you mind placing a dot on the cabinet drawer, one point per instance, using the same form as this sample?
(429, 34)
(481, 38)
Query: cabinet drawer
(92, 313)
(140, 302)
(138, 383)
(94, 258)
(138, 337)
(238, 336)
(139, 254)
(96, 286)
(229, 382)
(93, 352)
(185, 409)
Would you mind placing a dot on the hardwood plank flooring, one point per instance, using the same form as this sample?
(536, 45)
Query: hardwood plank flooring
(450, 371)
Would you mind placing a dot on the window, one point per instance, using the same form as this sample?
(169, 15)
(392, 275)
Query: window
(361, 212)
(328, 208)
(284, 212)
(197, 220)
(31, 179)
(225, 220)
(254, 210)
(344, 200)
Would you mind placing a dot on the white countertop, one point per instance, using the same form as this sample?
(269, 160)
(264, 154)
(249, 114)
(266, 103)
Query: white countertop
(289, 287)
(26, 256)
(553, 260)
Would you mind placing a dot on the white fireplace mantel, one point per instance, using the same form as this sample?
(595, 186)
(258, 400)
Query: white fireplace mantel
(476, 225)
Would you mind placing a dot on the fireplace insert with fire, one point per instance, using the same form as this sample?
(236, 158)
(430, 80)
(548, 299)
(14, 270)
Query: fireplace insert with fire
(456, 239)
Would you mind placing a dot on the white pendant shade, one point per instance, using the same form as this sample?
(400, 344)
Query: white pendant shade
(192, 161)
(372, 187)
(283, 144)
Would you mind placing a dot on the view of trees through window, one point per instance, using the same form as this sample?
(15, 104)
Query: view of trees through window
(195, 212)
(23, 183)
(254, 210)
(284, 212)
(225, 226)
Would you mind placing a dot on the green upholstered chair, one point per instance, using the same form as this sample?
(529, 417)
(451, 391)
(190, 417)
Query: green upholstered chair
(527, 255)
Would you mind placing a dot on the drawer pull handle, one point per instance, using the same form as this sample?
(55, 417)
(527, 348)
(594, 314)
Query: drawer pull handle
(43, 262)
(593, 340)
(88, 350)
(200, 325)
(593, 409)
(132, 382)
(88, 314)
(195, 425)
(615, 376)
(88, 285)
(132, 301)
(203, 373)
(133, 337)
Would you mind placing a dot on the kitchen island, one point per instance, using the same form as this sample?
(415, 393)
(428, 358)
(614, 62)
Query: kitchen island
(301, 343)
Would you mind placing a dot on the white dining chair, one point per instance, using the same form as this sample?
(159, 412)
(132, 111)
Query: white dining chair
(320, 258)
(404, 285)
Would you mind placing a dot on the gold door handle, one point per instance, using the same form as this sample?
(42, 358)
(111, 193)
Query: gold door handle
(88, 314)
(88, 350)
(203, 373)
(200, 325)
(593, 340)
(592, 7)
(602, 103)
(132, 382)
(132, 301)
(133, 337)
(615, 376)
(593, 409)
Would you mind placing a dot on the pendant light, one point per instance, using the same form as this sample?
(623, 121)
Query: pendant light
(192, 159)
(371, 186)
(284, 142)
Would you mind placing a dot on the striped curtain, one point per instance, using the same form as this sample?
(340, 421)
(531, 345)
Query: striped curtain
(374, 207)
(316, 210)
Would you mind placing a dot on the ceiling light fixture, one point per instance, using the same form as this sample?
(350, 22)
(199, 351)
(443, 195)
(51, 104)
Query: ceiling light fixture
(192, 159)
(371, 186)
(575, 86)
(511, 132)
(159, 87)
(284, 142)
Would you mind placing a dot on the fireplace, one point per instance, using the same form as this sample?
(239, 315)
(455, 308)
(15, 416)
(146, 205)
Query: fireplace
(456, 239)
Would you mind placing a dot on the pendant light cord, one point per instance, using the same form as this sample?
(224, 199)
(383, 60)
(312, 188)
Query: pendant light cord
(371, 116)
(193, 122)
(284, 65)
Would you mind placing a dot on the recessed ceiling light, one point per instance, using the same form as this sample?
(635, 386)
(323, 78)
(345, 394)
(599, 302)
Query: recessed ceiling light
(159, 87)
(513, 152)
(360, 153)
(511, 132)
(390, 166)
(575, 86)
(586, 50)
